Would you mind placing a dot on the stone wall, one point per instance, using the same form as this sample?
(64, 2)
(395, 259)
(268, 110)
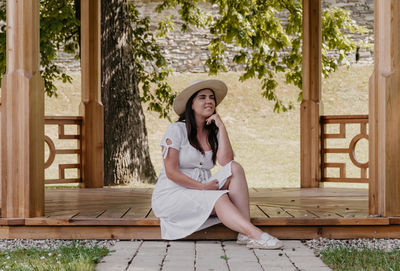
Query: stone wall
(362, 11)
(187, 52)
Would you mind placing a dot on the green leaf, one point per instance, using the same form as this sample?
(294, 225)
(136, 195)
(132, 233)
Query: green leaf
(59, 28)
(266, 45)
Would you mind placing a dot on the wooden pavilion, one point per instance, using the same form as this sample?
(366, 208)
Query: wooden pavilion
(30, 211)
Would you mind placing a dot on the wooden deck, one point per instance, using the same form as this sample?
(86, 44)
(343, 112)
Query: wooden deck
(121, 213)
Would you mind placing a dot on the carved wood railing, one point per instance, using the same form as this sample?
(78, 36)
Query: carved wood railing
(342, 122)
(62, 123)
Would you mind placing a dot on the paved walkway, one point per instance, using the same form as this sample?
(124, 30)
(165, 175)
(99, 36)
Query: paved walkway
(208, 255)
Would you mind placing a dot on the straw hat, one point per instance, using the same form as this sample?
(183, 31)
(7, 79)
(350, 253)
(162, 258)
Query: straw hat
(219, 88)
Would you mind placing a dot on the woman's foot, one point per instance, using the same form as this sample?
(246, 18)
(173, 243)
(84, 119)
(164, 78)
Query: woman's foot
(242, 239)
(266, 242)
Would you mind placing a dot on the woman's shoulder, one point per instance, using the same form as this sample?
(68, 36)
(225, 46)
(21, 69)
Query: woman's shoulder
(177, 126)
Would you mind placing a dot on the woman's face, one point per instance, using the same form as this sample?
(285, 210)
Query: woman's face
(204, 103)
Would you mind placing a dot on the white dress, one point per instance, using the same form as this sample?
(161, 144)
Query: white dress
(181, 210)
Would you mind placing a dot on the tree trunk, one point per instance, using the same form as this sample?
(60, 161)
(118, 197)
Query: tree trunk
(126, 152)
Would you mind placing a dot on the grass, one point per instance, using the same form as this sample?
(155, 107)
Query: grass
(267, 144)
(64, 258)
(348, 259)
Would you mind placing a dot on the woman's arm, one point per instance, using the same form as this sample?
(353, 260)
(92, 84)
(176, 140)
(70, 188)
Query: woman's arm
(225, 152)
(171, 166)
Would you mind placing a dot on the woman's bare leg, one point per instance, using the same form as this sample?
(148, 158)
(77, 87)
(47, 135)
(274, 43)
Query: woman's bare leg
(232, 217)
(238, 190)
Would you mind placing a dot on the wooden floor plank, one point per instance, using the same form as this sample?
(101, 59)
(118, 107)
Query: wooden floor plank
(351, 213)
(114, 212)
(274, 212)
(84, 214)
(297, 213)
(137, 212)
(255, 211)
(150, 214)
(127, 212)
(395, 220)
(65, 214)
(324, 214)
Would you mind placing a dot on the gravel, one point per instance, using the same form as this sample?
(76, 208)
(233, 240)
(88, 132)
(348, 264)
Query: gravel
(48, 244)
(315, 244)
(359, 244)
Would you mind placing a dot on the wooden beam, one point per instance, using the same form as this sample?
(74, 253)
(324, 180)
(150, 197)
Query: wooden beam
(217, 232)
(385, 111)
(22, 147)
(373, 187)
(276, 221)
(309, 110)
(0, 152)
(91, 107)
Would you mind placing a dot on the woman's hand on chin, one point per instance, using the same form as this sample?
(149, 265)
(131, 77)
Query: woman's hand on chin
(212, 185)
(216, 119)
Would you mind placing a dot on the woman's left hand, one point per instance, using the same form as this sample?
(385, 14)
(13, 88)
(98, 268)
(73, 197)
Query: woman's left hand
(216, 119)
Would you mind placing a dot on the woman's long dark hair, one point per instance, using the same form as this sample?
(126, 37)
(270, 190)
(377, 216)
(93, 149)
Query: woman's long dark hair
(212, 129)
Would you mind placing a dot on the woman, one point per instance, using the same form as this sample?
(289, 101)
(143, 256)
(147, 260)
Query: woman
(186, 197)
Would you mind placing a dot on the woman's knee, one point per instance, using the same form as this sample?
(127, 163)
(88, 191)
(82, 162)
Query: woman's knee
(221, 200)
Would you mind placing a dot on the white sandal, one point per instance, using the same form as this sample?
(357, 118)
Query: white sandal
(267, 242)
(242, 239)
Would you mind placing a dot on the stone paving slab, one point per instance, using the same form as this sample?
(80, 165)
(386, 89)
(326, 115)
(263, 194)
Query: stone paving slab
(149, 257)
(240, 257)
(121, 254)
(274, 260)
(302, 257)
(180, 256)
(208, 256)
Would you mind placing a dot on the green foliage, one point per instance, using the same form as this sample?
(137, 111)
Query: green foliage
(334, 21)
(151, 66)
(349, 259)
(267, 46)
(59, 28)
(2, 39)
(65, 258)
(190, 13)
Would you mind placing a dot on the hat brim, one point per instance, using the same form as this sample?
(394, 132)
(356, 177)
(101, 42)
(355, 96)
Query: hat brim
(220, 89)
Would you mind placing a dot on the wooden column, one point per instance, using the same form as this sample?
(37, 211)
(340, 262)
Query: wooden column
(309, 114)
(373, 188)
(385, 111)
(0, 152)
(22, 114)
(91, 107)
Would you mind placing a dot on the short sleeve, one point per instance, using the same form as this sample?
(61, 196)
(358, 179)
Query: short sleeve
(174, 134)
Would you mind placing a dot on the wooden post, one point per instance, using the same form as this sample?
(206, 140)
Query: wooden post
(385, 111)
(0, 152)
(22, 147)
(309, 114)
(373, 186)
(91, 107)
